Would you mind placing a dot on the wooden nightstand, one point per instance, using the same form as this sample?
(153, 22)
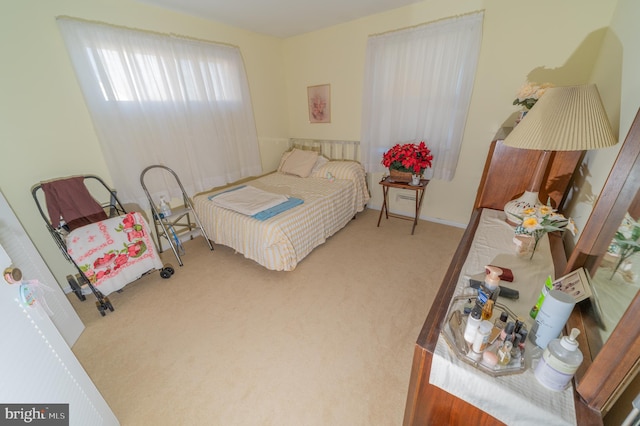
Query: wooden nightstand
(387, 183)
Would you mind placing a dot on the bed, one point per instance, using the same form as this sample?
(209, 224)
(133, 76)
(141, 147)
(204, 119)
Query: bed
(322, 196)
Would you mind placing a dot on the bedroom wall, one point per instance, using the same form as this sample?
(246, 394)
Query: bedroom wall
(548, 42)
(46, 130)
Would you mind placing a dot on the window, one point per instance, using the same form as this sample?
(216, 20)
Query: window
(160, 99)
(418, 84)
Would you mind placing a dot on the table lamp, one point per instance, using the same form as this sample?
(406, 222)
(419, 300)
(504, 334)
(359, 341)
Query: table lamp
(568, 118)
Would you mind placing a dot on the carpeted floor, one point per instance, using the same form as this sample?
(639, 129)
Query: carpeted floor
(227, 342)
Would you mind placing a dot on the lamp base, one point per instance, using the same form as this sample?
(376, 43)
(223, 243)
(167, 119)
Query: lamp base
(514, 208)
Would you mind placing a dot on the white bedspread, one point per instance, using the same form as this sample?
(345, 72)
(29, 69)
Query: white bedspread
(248, 200)
(282, 241)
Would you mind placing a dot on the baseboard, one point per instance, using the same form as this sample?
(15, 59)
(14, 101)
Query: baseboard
(424, 217)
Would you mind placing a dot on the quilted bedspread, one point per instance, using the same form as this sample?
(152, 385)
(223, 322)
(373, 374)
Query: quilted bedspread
(331, 198)
(114, 252)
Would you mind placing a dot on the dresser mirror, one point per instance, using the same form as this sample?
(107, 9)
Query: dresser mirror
(610, 330)
(615, 278)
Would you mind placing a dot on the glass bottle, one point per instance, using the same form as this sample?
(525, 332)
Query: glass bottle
(501, 322)
(516, 352)
(504, 353)
(487, 310)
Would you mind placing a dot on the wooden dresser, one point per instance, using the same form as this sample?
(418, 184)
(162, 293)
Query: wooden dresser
(505, 176)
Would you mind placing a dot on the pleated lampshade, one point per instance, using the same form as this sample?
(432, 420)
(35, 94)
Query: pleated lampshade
(568, 118)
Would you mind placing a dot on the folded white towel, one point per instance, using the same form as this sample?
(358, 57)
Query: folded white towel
(248, 200)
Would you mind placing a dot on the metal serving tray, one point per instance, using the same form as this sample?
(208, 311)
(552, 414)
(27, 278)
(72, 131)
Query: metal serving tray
(453, 331)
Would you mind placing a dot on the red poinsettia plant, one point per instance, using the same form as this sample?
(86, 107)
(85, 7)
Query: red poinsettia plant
(409, 157)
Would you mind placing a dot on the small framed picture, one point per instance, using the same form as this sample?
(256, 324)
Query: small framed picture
(319, 98)
(575, 283)
(578, 284)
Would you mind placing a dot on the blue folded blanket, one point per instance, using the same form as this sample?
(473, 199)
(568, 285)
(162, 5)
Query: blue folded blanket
(271, 211)
(268, 213)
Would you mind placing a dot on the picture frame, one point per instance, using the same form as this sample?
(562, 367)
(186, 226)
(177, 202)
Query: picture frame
(319, 103)
(575, 284)
(578, 285)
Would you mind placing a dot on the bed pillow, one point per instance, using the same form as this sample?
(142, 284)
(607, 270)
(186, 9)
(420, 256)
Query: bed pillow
(341, 169)
(299, 163)
(321, 161)
(284, 157)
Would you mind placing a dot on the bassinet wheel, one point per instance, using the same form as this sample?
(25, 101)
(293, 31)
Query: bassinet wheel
(75, 287)
(164, 273)
(107, 304)
(169, 268)
(100, 308)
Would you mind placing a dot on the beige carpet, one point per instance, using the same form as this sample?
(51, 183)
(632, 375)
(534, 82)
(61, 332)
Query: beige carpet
(228, 342)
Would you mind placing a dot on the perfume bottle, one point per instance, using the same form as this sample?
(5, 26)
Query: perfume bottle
(498, 325)
(487, 310)
(502, 321)
(504, 353)
(516, 352)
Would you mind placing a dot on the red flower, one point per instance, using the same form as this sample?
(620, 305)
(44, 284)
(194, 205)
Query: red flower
(128, 221)
(410, 157)
(136, 249)
(104, 260)
(101, 274)
(121, 260)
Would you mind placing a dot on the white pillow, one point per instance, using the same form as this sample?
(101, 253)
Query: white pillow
(299, 162)
(321, 161)
(284, 157)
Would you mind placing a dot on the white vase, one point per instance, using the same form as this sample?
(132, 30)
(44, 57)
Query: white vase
(415, 180)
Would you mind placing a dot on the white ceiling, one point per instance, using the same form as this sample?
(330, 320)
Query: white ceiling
(281, 18)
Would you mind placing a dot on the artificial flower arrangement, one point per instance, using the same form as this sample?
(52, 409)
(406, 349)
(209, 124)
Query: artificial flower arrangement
(409, 157)
(537, 221)
(530, 93)
(626, 242)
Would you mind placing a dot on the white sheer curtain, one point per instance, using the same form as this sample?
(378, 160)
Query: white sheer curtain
(417, 86)
(160, 99)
